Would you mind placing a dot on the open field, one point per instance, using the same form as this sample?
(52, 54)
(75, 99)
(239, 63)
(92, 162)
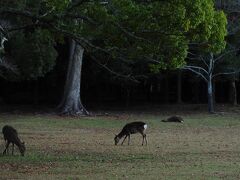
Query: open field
(203, 147)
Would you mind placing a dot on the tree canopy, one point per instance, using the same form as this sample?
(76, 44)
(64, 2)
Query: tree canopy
(160, 32)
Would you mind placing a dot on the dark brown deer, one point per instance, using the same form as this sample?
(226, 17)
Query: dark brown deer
(173, 119)
(11, 136)
(132, 128)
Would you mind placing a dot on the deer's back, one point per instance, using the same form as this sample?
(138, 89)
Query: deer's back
(134, 127)
(10, 134)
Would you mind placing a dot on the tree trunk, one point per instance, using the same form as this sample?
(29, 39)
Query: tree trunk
(213, 94)
(166, 89)
(36, 93)
(71, 102)
(196, 91)
(210, 97)
(128, 92)
(233, 93)
(179, 87)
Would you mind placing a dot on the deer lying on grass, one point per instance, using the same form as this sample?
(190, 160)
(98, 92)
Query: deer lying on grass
(173, 119)
(132, 128)
(11, 136)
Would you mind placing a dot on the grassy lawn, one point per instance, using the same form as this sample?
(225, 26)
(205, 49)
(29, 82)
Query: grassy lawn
(203, 147)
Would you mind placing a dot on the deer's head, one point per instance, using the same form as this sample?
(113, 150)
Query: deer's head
(22, 148)
(116, 139)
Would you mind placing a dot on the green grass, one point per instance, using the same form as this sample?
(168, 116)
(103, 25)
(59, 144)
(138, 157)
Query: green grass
(203, 147)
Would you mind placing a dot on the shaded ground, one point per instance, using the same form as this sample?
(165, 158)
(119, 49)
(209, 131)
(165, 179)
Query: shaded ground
(203, 147)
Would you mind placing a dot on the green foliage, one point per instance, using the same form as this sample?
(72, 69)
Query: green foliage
(57, 5)
(162, 31)
(158, 31)
(34, 53)
(230, 62)
(32, 49)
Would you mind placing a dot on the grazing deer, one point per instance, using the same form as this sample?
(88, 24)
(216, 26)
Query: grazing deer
(173, 119)
(132, 128)
(11, 136)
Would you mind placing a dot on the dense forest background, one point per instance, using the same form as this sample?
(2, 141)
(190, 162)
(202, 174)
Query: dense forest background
(101, 88)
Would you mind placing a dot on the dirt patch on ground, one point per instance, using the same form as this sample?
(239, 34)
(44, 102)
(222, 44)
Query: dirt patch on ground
(27, 168)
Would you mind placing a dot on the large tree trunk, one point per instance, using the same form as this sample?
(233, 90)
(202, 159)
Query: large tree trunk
(233, 93)
(179, 87)
(210, 97)
(71, 102)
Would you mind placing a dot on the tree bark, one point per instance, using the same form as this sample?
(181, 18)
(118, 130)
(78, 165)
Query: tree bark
(36, 93)
(233, 93)
(71, 101)
(214, 92)
(179, 87)
(196, 91)
(128, 92)
(166, 89)
(210, 97)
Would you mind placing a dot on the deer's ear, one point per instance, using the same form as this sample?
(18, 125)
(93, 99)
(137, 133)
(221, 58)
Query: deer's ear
(23, 142)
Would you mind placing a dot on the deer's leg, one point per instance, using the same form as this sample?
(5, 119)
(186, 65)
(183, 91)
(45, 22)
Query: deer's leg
(12, 148)
(5, 143)
(128, 139)
(124, 139)
(143, 139)
(7, 151)
(4, 152)
(145, 136)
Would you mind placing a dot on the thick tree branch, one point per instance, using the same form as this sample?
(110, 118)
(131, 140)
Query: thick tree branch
(225, 73)
(8, 66)
(3, 31)
(197, 68)
(130, 34)
(84, 18)
(24, 13)
(198, 58)
(76, 4)
(129, 76)
(195, 71)
(204, 61)
(17, 28)
(216, 60)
